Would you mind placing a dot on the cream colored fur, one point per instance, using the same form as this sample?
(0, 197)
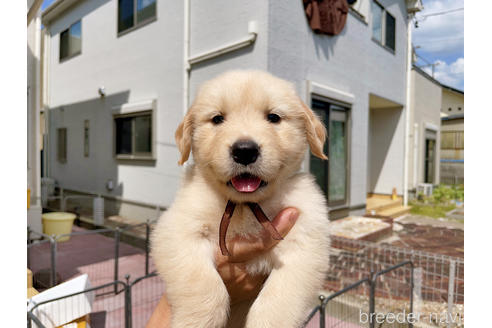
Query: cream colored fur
(186, 235)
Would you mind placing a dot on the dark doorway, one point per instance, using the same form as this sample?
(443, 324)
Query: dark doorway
(430, 159)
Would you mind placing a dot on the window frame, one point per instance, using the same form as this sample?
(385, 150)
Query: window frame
(136, 25)
(385, 30)
(343, 203)
(86, 137)
(385, 12)
(69, 56)
(134, 155)
(61, 156)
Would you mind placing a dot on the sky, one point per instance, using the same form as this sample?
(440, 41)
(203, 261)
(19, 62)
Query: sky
(440, 40)
(46, 3)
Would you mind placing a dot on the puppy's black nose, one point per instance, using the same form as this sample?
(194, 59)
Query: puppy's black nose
(245, 151)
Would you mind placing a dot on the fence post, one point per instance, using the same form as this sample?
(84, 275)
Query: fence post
(417, 290)
(322, 307)
(53, 261)
(128, 302)
(147, 235)
(28, 248)
(452, 270)
(116, 255)
(411, 293)
(372, 297)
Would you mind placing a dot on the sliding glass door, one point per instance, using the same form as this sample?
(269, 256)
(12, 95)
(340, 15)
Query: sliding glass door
(331, 175)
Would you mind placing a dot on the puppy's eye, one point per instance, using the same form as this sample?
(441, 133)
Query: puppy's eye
(217, 119)
(273, 118)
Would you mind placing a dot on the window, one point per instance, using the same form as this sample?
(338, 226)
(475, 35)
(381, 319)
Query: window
(71, 41)
(383, 26)
(62, 145)
(452, 140)
(86, 138)
(132, 13)
(331, 175)
(134, 135)
(390, 31)
(361, 9)
(377, 19)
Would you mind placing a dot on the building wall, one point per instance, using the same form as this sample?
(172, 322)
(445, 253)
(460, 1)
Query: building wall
(147, 64)
(142, 65)
(33, 107)
(453, 100)
(453, 160)
(386, 150)
(424, 115)
(351, 64)
(215, 23)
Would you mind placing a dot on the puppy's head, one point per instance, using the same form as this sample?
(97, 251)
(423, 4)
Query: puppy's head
(248, 131)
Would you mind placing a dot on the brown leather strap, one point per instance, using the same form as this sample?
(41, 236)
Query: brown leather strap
(224, 223)
(260, 216)
(263, 219)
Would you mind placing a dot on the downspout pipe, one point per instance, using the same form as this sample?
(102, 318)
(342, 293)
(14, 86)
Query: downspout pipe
(407, 109)
(219, 51)
(33, 11)
(186, 55)
(202, 57)
(37, 106)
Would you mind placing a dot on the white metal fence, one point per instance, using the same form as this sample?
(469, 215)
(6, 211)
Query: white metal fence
(439, 279)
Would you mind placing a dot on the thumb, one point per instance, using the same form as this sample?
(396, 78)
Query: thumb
(283, 222)
(243, 249)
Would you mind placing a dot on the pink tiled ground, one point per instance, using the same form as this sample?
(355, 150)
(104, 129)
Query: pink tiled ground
(94, 254)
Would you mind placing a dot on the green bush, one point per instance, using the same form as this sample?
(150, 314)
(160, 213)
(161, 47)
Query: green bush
(442, 201)
(445, 194)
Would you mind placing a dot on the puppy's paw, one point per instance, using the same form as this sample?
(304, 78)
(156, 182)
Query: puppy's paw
(205, 309)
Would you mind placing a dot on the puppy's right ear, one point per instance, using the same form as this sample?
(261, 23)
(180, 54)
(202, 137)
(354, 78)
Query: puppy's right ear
(315, 131)
(183, 137)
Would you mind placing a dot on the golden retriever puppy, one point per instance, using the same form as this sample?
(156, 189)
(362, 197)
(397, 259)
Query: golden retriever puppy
(248, 132)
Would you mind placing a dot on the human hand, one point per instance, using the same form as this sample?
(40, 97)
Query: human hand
(232, 269)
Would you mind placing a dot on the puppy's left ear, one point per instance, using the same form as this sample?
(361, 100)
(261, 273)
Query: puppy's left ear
(183, 137)
(315, 131)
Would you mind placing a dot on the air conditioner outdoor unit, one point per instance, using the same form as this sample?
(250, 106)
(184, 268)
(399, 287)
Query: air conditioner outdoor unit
(425, 189)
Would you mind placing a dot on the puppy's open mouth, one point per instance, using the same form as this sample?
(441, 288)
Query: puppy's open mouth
(246, 182)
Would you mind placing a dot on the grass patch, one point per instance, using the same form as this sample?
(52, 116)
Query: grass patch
(432, 210)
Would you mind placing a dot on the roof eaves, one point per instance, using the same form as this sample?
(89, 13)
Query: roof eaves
(55, 9)
(452, 117)
(424, 74)
(452, 89)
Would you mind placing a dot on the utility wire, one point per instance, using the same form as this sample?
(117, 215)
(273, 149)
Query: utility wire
(428, 62)
(441, 40)
(422, 18)
(442, 13)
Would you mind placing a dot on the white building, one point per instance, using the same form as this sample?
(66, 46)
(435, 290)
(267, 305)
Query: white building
(120, 75)
(425, 136)
(33, 114)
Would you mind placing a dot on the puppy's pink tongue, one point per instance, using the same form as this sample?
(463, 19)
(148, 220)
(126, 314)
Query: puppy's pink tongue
(246, 183)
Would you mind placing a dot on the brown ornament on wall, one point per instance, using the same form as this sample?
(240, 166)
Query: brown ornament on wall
(326, 16)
